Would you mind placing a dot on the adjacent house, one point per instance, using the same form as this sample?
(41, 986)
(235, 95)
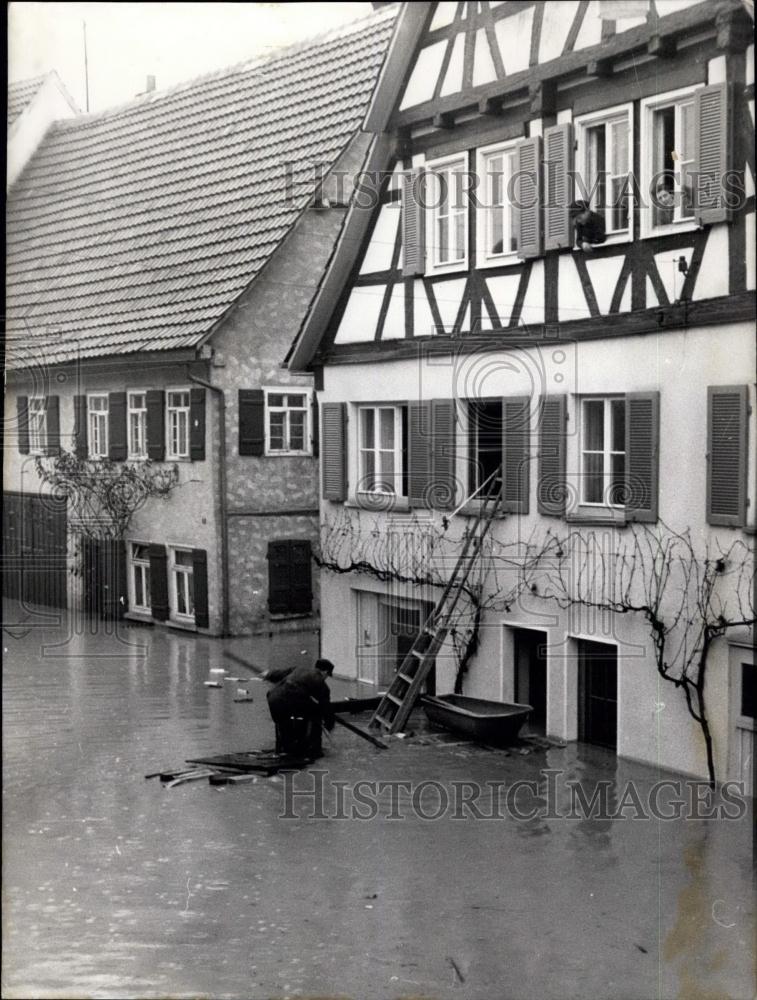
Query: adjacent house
(466, 337)
(160, 256)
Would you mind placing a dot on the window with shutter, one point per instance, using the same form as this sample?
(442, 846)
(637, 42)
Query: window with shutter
(485, 440)
(712, 117)
(447, 216)
(444, 428)
(200, 578)
(528, 197)
(37, 425)
(727, 415)
(159, 582)
(515, 453)
(419, 453)
(52, 425)
(642, 448)
(289, 577)
(497, 218)
(603, 165)
(668, 162)
(156, 425)
(251, 422)
(22, 420)
(551, 492)
(334, 451)
(413, 224)
(197, 424)
(558, 186)
(97, 424)
(117, 448)
(80, 426)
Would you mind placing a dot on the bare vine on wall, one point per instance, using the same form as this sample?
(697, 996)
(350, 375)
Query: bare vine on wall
(687, 592)
(102, 495)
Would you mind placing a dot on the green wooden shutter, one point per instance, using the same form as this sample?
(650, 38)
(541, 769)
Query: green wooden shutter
(551, 488)
(515, 453)
(727, 421)
(80, 426)
(200, 586)
(443, 481)
(413, 224)
(642, 455)
(251, 422)
(117, 450)
(22, 419)
(558, 186)
(528, 197)
(159, 582)
(156, 424)
(714, 138)
(197, 424)
(419, 454)
(52, 425)
(334, 451)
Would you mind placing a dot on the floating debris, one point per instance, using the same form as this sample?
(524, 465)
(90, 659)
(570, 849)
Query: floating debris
(212, 684)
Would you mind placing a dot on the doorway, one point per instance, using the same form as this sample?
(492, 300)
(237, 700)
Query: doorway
(403, 622)
(530, 675)
(598, 693)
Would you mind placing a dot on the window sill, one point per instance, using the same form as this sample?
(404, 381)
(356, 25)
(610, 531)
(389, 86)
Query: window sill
(288, 454)
(685, 226)
(504, 260)
(285, 616)
(144, 617)
(598, 517)
(473, 509)
(458, 267)
(187, 625)
(388, 504)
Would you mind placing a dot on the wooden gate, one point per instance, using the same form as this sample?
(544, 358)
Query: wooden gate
(34, 549)
(104, 590)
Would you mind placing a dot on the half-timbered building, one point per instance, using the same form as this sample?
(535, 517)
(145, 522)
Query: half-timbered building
(467, 325)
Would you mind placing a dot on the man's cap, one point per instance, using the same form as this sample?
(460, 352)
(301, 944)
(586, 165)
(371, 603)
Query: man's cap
(325, 665)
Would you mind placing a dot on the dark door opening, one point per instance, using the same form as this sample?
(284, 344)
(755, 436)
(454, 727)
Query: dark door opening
(598, 694)
(530, 660)
(404, 626)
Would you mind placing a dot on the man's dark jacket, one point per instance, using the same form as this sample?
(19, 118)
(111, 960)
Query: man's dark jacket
(294, 691)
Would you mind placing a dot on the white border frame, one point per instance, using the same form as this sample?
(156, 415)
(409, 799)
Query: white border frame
(131, 455)
(305, 391)
(399, 471)
(431, 196)
(91, 396)
(483, 260)
(133, 608)
(173, 602)
(170, 457)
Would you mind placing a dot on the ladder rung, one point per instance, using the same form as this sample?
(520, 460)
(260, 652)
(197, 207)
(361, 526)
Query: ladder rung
(393, 697)
(404, 677)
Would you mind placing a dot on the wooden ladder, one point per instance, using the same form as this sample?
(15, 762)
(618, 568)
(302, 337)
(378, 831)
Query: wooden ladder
(396, 705)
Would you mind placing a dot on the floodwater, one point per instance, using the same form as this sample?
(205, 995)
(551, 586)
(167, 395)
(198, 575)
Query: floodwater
(117, 886)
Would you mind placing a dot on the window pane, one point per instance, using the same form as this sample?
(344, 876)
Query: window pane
(619, 131)
(594, 425)
(687, 190)
(367, 435)
(592, 478)
(297, 431)
(496, 244)
(295, 400)
(275, 399)
(459, 236)
(618, 410)
(619, 194)
(442, 240)
(183, 558)
(386, 428)
(686, 152)
(190, 594)
(368, 471)
(140, 551)
(136, 400)
(617, 479)
(748, 690)
(386, 459)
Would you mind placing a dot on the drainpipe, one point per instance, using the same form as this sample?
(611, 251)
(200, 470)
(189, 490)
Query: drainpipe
(224, 505)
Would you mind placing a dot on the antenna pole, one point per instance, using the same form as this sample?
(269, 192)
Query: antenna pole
(86, 66)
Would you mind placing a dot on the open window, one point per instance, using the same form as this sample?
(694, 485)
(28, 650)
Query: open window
(605, 143)
(140, 599)
(668, 161)
(484, 441)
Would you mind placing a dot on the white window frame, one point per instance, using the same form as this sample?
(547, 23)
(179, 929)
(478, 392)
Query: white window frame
(484, 210)
(137, 454)
(171, 454)
(432, 194)
(607, 452)
(174, 571)
(397, 448)
(582, 124)
(291, 390)
(648, 106)
(103, 416)
(37, 424)
(144, 566)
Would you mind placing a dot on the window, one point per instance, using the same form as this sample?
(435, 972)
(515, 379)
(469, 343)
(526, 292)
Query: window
(182, 584)
(97, 407)
(37, 425)
(605, 142)
(603, 455)
(748, 691)
(668, 158)
(137, 425)
(178, 423)
(140, 577)
(382, 431)
(287, 423)
(484, 441)
(448, 237)
(498, 231)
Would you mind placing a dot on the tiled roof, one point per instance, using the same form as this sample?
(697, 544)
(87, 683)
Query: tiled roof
(136, 228)
(20, 94)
